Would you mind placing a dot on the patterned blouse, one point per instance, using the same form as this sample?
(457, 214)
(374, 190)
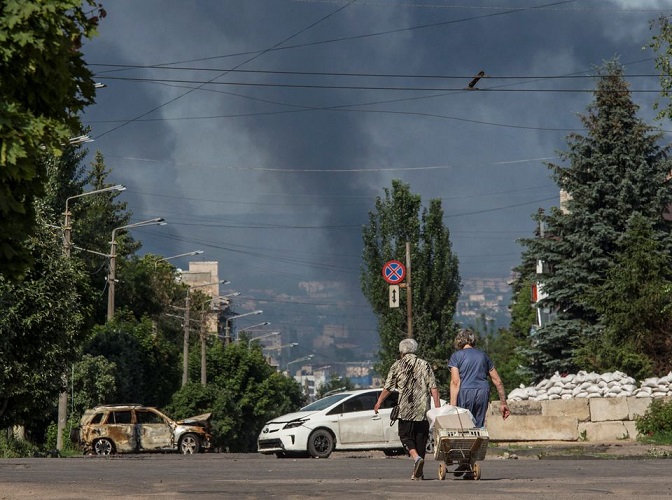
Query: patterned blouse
(413, 378)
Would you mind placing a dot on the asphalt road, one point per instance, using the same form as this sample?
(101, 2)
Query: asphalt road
(368, 475)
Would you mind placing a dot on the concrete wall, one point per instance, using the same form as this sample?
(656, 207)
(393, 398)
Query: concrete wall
(589, 419)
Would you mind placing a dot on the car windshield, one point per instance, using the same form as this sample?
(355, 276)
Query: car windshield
(323, 403)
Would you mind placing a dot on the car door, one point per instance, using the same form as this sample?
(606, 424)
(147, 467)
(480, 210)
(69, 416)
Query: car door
(119, 428)
(357, 423)
(154, 432)
(390, 432)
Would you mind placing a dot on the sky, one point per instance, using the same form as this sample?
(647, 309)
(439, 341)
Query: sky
(263, 130)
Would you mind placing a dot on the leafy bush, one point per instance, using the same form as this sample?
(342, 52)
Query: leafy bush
(10, 447)
(656, 424)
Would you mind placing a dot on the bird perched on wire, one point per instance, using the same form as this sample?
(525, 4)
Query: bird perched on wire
(472, 83)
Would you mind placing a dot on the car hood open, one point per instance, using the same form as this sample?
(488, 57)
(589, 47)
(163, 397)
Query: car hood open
(197, 420)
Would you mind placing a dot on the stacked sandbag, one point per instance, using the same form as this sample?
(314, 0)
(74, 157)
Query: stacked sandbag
(593, 385)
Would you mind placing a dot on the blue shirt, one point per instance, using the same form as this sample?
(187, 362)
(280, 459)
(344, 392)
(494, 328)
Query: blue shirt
(474, 366)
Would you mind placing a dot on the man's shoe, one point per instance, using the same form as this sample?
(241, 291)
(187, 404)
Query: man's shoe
(417, 469)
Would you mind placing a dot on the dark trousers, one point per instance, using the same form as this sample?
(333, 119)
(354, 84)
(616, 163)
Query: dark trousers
(414, 435)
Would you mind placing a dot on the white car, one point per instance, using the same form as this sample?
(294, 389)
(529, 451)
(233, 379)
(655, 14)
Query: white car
(343, 421)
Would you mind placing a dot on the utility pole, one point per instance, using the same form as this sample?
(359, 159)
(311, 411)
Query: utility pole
(409, 295)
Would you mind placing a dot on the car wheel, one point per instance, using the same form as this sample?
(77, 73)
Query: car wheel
(103, 447)
(320, 444)
(190, 444)
(394, 452)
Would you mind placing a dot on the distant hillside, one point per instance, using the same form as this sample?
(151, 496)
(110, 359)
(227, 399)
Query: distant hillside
(488, 296)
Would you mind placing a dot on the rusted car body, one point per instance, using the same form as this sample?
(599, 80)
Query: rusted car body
(134, 428)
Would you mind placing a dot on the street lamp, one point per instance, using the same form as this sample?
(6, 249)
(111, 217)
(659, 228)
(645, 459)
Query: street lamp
(227, 329)
(248, 328)
(195, 252)
(249, 342)
(293, 344)
(67, 229)
(185, 346)
(305, 358)
(113, 257)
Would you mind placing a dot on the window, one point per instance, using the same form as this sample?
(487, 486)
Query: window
(148, 417)
(362, 402)
(391, 400)
(97, 418)
(119, 417)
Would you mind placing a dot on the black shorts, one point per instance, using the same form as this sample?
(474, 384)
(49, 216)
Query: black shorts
(414, 435)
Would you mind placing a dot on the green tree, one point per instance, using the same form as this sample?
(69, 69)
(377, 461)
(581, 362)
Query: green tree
(636, 307)
(147, 365)
(335, 383)
(399, 218)
(243, 393)
(44, 84)
(93, 383)
(662, 45)
(617, 169)
(39, 330)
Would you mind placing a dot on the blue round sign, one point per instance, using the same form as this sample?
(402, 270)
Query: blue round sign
(394, 272)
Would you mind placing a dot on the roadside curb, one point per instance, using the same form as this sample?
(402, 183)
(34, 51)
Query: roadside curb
(554, 450)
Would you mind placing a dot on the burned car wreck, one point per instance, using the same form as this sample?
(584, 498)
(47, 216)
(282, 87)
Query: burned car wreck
(133, 428)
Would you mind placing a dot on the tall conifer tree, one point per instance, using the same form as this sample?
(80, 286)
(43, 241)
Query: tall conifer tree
(617, 169)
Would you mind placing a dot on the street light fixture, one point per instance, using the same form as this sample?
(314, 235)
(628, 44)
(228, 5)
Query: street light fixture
(227, 329)
(271, 334)
(305, 358)
(248, 328)
(113, 258)
(293, 344)
(185, 346)
(67, 231)
(195, 252)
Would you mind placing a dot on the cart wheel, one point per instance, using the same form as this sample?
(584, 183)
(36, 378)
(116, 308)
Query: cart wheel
(442, 471)
(477, 471)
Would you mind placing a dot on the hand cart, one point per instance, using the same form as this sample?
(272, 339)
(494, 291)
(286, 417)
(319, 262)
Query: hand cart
(459, 446)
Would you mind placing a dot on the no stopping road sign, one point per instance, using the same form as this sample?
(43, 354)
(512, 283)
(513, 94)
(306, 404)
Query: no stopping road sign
(394, 272)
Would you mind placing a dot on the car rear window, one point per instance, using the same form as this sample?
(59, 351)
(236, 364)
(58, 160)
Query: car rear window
(97, 418)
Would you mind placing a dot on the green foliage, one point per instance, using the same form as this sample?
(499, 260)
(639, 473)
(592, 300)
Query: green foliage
(503, 348)
(656, 423)
(93, 382)
(10, 447)
(44, 84)
(39, 332)
(335, 383)
(147, 370)
(661, 44)
(399, 218)
(243, 393)
(634, 306)
(617, 169)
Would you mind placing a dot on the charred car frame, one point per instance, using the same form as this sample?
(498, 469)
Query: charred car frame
(133, 428)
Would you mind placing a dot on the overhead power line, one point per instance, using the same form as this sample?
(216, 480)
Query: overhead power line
(356, 87)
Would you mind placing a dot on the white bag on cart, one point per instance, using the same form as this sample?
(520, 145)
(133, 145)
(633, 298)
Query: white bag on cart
(465, 416)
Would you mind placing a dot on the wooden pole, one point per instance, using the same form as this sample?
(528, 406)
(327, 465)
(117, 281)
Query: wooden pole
(409, 305)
